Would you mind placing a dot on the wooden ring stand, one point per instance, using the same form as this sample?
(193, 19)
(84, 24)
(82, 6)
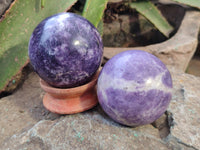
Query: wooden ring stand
(70, 100)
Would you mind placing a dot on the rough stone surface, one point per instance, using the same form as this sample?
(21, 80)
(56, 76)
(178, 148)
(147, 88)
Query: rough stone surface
(26, 124)
(178, 50)
(184, 110)
(4, 4)
(89, 130)
(23, 109)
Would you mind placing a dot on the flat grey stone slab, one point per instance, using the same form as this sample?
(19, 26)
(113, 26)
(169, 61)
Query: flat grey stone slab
(184, 110)
(26, 124)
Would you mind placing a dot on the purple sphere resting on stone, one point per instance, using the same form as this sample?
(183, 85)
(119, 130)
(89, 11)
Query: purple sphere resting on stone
(134, 88)
(65, 50)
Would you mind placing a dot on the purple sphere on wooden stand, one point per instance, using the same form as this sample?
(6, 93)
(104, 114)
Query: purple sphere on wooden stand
(65, 50)
(134, 88)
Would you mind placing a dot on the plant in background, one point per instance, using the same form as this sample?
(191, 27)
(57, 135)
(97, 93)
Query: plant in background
(18, 23)
(15, 30)
(193, 3)
(150, 11)
(93, 12)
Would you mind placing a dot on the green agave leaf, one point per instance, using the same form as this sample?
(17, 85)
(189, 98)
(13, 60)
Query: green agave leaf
(100, 27)
(94, 10)
(193, 3)
(147, 9)
(16, 29)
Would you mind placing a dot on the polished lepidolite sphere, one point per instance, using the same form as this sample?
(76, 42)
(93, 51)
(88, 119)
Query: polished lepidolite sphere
(134, 88)
(65, 50)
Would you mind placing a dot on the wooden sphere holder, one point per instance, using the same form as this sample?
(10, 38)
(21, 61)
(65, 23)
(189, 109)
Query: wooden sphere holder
(70, 100)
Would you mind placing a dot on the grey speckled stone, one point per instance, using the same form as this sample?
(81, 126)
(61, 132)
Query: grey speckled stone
(26, 124)
(23, 109)
(4, 4)
(184, 110)
(89, 130)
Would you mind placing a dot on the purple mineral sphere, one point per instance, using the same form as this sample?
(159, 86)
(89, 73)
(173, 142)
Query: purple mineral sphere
(134, 88)
(65, 50)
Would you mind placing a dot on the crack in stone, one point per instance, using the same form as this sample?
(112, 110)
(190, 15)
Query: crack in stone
(182, 91)
(176, 144)
(170, 120)
(171, 141)
(162, 125)
(189, 146)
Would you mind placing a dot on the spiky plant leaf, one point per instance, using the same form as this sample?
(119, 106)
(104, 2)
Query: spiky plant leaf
(147, 9)
(15, 31)
(193, 3)
(93, 11)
